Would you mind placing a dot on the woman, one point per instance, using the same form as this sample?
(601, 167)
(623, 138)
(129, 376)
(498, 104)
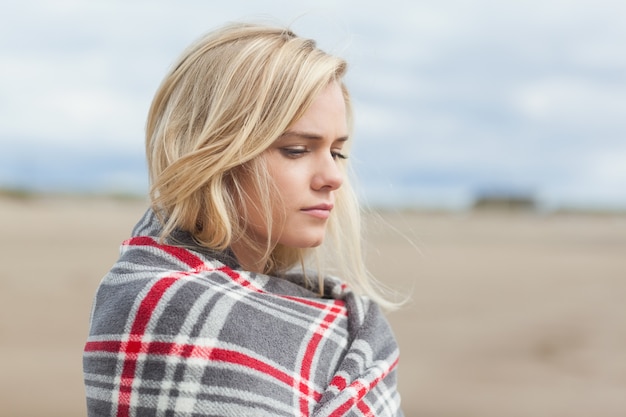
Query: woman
(212, 308)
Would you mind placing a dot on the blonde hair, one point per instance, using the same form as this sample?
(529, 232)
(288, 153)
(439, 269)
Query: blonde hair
(227, 99)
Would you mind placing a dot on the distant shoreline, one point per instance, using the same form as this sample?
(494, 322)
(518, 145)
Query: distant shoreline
(26, 195)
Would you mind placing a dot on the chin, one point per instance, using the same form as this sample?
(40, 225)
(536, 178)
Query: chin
(316, 239)
(316, 243)
(304, 242)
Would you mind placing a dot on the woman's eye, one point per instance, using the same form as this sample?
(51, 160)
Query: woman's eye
(293, 152)
(338, 155)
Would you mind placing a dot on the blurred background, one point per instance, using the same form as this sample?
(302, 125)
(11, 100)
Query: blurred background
(490, 145)
(453, 99)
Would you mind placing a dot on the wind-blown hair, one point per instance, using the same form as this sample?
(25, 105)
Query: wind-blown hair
(227, 99)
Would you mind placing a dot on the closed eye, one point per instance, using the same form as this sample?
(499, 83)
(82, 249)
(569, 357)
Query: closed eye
(294, 152)
(338, 155)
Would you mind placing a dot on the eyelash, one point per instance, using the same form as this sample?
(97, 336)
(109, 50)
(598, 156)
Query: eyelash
(293, 152)
(339, 155)
(297, 152)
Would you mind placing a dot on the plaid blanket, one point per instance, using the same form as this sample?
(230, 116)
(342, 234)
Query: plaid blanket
(177, 330)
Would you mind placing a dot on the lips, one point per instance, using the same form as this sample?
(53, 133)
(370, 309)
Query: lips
(321, 211)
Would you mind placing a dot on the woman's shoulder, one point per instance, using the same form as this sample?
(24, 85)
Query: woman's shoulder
(179, 276)
(168, 291)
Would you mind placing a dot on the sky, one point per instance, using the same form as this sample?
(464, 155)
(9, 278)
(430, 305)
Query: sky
(454, 99)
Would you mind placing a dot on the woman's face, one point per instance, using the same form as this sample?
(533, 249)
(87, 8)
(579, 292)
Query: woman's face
(303, 164)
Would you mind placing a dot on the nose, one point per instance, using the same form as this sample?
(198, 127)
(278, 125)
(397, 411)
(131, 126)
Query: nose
(328, 174)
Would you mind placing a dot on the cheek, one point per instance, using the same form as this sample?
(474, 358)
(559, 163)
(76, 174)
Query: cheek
(289, 179)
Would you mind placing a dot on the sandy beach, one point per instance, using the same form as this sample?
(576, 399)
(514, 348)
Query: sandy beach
(512, 314)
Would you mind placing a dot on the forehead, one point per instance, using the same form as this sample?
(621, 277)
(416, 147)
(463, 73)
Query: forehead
(327, 112)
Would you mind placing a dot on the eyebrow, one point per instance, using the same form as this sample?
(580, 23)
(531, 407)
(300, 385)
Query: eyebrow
(312, 136)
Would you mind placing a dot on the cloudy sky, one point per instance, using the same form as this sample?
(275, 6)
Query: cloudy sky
(453, 98)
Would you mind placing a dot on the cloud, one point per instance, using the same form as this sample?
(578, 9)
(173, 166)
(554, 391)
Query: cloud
(592, 104)
(450, 96)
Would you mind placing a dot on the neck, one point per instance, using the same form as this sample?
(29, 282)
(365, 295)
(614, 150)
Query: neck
(248, 258)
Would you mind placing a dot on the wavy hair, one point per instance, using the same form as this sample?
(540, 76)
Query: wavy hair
(224, 102)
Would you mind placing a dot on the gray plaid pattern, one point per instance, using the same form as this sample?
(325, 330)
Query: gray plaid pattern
(177, 330)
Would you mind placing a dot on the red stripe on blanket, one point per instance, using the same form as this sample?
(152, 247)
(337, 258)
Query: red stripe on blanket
(239, 279)
(103, 346)
(238, 358)
(190, 259)
(134, 345)
(198, 352)
(339, 382)
(360, 391)
(338, 305)
(183, 255)
(365, 409)
(309, 356)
